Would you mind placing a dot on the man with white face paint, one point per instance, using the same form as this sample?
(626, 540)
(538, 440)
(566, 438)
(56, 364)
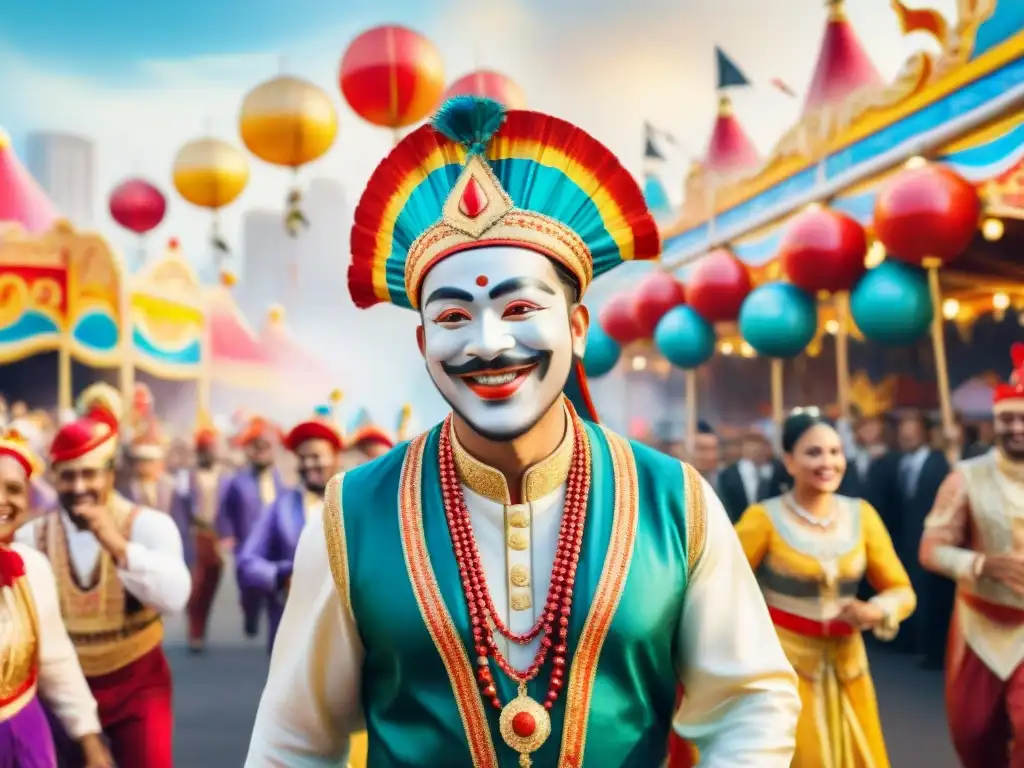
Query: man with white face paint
(517, 586)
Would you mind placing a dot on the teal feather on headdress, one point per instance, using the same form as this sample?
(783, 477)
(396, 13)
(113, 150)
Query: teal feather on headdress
(360, 419)
(470, 120)
(323, 412)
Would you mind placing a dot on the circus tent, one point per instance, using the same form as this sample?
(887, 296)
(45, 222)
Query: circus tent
(303, 376)
(843, 66)
(22, 200)
(237, 357)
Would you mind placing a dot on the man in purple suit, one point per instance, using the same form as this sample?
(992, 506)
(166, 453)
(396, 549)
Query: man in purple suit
(264, 563)
(247, 493)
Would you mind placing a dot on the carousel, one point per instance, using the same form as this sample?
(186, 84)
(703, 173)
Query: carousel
(881, 235)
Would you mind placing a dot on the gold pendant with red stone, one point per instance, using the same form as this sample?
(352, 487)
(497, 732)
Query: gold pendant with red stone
(525, 725)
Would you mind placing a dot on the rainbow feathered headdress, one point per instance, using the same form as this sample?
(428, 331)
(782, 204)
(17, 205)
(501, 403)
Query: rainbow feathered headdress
(479, 175)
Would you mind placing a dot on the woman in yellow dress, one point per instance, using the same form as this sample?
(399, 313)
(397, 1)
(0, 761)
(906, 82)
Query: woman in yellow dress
(810, 549)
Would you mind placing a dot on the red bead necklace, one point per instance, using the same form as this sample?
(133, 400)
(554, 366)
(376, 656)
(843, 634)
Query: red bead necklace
(525, 724)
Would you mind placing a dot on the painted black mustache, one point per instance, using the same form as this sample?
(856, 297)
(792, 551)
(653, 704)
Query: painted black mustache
(511, 359)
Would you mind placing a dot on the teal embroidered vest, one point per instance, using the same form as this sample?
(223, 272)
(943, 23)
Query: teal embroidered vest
(420, 698)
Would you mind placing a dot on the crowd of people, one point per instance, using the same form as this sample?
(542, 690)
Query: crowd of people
(120, 528)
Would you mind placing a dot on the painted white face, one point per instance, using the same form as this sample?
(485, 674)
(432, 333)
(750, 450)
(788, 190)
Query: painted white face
(497, 338)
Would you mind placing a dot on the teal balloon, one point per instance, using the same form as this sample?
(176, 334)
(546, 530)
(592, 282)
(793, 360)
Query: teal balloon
(602, 352)
(891, 304)
(778, 320)
(685, 338)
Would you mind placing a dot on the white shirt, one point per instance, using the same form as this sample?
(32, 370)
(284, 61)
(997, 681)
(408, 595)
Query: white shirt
(750, 474)
(156, 573)
(62, 686)
(910, 468)
(741, 703)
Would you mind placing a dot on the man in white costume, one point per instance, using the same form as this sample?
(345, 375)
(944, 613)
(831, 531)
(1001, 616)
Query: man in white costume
(518, 585)
(119, 567)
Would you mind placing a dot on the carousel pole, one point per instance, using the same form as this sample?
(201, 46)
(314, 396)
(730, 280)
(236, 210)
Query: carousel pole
(65, 399)
(778, 406)
(939, 349)
(65, 393)
(841, 304)
(127, 347)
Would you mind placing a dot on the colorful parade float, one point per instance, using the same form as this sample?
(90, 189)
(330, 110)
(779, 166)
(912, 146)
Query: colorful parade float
(890, 209)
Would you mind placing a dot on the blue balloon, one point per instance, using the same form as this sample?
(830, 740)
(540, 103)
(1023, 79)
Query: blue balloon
(778, 320)
(602, 352)
(891, 304)
(685, 338)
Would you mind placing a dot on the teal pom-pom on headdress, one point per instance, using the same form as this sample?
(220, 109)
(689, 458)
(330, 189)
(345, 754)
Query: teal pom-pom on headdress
(470, 120)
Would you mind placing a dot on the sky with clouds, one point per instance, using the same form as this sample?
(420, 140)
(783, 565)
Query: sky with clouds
(142, 78)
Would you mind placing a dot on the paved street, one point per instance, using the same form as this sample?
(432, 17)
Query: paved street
(216, 697)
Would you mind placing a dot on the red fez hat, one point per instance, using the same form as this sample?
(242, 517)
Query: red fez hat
(14, 444)
(1010, 396)
(91, 439)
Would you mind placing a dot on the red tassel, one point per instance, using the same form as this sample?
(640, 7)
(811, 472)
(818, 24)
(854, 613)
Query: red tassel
(12, 567)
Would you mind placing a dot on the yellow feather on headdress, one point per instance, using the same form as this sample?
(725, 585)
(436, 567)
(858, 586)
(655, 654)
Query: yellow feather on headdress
(404, 420)
(869, 399)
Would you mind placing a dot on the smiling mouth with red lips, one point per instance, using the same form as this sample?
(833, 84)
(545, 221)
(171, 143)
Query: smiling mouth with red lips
(498, 383)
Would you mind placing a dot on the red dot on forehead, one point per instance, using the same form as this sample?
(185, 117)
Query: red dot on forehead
(482, 280)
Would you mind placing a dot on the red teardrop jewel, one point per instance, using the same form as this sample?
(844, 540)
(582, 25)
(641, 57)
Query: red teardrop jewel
(525, 724)
(473, 200)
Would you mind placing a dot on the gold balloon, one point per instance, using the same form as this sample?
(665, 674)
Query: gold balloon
(210, 173)
(288, 121)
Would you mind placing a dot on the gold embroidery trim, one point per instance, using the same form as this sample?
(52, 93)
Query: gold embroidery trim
(435, 613)
(12, 708)
(541, 479)
(109, 657)
(610, 587)
(19, 657)
(337, 546)
(696, 516)
(498, 221)
(105, 638)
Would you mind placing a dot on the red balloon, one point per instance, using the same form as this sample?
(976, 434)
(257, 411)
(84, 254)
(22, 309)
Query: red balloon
(657, 294)
(718, 286)
(823, 250)
(489, 84)
(928, 212)
(618, 318)
(137, 206)
(392, 77)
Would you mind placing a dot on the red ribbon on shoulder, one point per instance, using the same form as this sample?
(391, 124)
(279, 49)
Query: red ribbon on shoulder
(12, 567)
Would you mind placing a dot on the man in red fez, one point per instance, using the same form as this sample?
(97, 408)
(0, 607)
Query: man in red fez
(196, 501)
(264, 563)
(974, 535)
(246, 494)
(119, 568)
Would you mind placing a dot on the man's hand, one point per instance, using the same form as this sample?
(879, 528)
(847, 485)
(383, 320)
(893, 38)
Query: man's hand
(1008, 570)
(95, 753)
(861, 615)
(99, 522)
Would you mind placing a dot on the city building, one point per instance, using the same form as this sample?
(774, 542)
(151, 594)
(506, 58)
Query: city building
(65, 167)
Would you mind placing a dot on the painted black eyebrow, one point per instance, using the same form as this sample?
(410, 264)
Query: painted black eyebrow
(514, 284)
(446, 293)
